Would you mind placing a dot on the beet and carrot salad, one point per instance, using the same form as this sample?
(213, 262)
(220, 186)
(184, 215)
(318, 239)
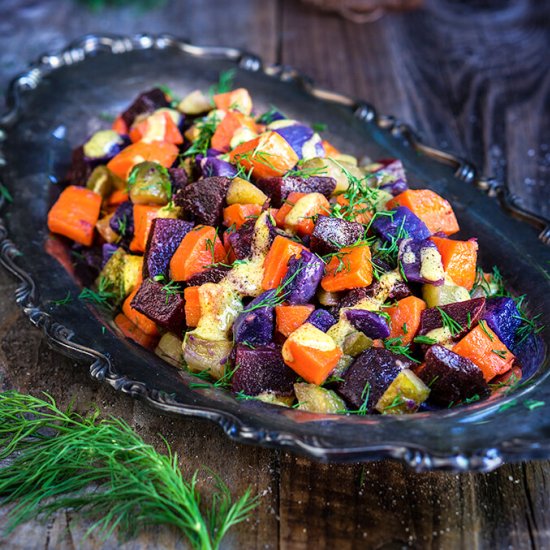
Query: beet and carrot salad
(248, 250)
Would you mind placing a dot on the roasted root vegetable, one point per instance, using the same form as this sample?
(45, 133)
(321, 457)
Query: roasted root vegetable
(350, 268)
(258, 254)
(75, 214)
(459, 260)
(198, 249)
(483, 347)
(311, 353)
(432, 209)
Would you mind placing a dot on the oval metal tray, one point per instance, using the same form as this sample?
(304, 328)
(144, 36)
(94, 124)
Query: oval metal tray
(62, 98)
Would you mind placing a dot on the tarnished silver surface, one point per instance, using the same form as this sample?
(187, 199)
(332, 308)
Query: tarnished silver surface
(242, 421)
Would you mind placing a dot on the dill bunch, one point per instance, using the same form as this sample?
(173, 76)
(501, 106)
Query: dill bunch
(103, 469)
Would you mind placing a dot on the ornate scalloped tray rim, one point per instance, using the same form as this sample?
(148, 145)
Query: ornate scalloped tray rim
(60, 337)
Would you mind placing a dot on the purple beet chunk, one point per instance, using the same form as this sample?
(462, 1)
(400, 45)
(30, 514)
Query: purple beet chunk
(164, 238)
(529, 354)
(107, 250)
(203, 200)
(331, 234)
(164, 308)
(369, 376)
(279, 188)
(122, 221)
(302, 278)
(296, 135)
(81, 167)
(321, 319)
(399, 290)
(212, 166)
(240, 241)
(210, 275)
(451, 377)
(262, 369)
(147, 102)
(389, 226)
(371, 324)
(431, 318)
(503, 318)
(355, 295)
(178, 178)
(411, 259)
(255, 325)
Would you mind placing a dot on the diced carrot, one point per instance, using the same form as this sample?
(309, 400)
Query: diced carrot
(198, 249)
(134, 333)
(117, 197)
(156, 151)
(237, 100)
(433, 210)
(141, 321)
(300, 217)
(405, 318)
(330, 150)
(289, 318)
(502, 384)
(75, 214)
(239, 213)
(144, 214)
(361, 210)
(192, 306)
(287, 206)
(459, 260)
(159, 126)
(232, 121)
(276, 261)
(119, 126)
(268, 155)
(351, 268)
(311, 353)
(483, 347)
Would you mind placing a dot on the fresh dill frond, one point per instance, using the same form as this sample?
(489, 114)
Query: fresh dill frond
(5, 193)
(224, 84)
(63, 301)
(52, 458)
(206, 128)
(449, 323)
(395, 345)
(102, 297)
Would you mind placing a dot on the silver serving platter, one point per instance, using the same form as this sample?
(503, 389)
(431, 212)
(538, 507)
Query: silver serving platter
(59, 101)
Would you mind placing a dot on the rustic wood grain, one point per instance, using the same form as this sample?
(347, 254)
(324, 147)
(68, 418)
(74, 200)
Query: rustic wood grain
(473, 79)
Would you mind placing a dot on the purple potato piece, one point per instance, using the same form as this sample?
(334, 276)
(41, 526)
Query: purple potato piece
(279, 188)
(262, 369)
(392, 167)
(147, 102)
(451, 377)
(204, 199)
(210, 275)
(122, 221)
(178, 178)
(429, 406)
(369, 323)
(369, 376)
(404, 222)
(104, 145)
(296, 135)
(331, 234)
(107, 250)
(503, 319)
(240, 241)
(270, 116)
(164, 238)
(395, 187)
(529, 353)
(431, 318)
(321, 319)
(212, 166)
(255, 325)
(165, 308)
(302, 278)
(421, 262)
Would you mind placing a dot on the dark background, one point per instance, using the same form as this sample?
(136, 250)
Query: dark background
(473, 78)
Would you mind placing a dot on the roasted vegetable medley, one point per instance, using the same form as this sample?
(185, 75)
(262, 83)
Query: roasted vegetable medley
(248, 250)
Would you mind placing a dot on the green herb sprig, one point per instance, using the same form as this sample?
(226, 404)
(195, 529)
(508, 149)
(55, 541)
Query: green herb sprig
(55, 457)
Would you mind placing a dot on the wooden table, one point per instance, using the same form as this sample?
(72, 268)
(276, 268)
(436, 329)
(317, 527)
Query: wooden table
(474, 80)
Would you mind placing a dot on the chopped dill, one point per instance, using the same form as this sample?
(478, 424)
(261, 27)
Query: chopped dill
(63, 301)
(449, 323)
